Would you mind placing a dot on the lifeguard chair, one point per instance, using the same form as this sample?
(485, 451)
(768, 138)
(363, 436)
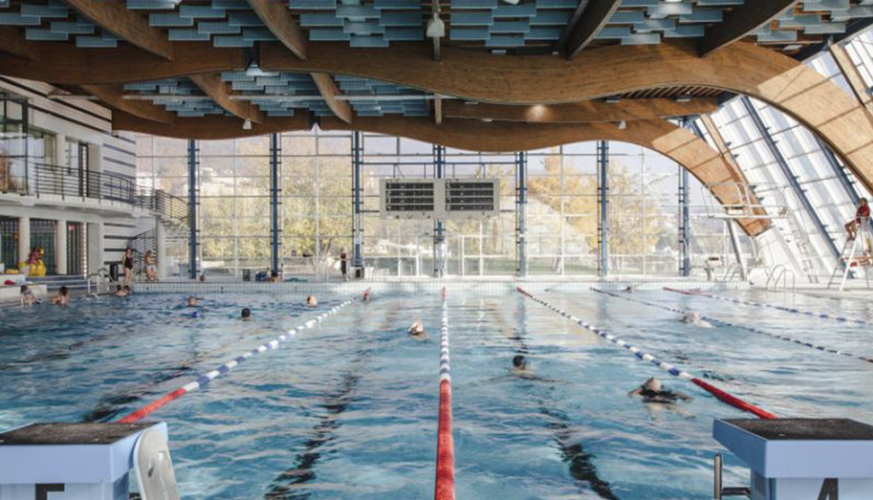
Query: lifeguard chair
(857, 253)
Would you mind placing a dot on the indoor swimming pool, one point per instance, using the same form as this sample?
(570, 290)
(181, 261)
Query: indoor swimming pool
(348, 409)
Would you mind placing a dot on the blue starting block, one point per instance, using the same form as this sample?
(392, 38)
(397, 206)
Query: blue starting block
(84, 461)
(799, 459)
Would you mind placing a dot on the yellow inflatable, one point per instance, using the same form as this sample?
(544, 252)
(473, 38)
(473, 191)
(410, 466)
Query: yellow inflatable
(37, 269)
(37, 265)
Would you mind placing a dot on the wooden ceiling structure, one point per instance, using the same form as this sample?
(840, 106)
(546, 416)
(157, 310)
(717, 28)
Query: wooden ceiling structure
(580, 87)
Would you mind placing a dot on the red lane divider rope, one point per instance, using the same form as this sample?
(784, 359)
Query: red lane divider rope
(672, 370)
(445, 467)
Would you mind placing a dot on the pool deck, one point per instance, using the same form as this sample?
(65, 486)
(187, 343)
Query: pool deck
(425, 284)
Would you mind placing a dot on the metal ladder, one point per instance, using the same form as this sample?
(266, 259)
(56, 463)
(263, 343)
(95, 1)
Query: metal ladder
(803, 243)
(851, 256)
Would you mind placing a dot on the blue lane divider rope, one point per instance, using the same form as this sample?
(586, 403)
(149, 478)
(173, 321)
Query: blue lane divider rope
(671, 369)
(743, 327)
(814, 314)
(230, 365)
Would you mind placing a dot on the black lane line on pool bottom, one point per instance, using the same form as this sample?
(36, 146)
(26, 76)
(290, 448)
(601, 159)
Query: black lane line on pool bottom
(111, 406)
(580, 463)
(285, 485)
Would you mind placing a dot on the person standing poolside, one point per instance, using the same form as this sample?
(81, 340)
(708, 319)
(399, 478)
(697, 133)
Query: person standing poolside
(150, 270)
(862, 215)
(127, 263)
(344, 264)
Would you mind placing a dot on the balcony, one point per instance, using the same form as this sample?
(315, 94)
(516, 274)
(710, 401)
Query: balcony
(41, 184)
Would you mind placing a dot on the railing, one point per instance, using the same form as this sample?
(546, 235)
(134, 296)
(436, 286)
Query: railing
(42, 179)
(778, 274)
(100, 279)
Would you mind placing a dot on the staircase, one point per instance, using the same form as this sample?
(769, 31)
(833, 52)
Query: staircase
(175, 228)
(804, 247)
(77, 284)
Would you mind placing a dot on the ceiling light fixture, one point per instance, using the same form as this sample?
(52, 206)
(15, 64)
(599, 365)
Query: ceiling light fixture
(254, 71)
(511, 2)
(436, 28)
(247, 124)
(622, 125)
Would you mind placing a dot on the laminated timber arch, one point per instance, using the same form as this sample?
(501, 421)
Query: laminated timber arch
(742, 68)
(676, 143)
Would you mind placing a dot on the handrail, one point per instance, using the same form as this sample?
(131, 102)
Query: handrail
(95, 276)
(45, 179)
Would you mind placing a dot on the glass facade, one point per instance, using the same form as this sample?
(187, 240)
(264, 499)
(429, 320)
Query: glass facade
(316, 207)
(652, 203)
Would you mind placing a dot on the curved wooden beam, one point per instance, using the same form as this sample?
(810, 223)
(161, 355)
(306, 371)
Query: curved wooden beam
(582, 112)
(130, 26)
(741, 68)
(13, 43)
(585, 26)
(113, 95)
(328, 89)
(676, 143)
(278, 19)
(209, 128)
(212, 85)
(742, 21)
(63, 63)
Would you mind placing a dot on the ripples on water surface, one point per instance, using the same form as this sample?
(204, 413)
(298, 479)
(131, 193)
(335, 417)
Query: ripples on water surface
(348, 410)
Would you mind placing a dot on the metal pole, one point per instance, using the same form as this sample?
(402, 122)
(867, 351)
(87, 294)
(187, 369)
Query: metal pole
(521, 213)
(357, 189)
(790, 176)
(717, 479)
(439, 230)
(738, 250)
(193, 189)
(684, 223)
(603, 207)
(275, 201)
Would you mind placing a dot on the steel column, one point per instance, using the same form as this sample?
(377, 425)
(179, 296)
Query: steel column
(439, 239)
(521, 213)
(684, 223)
(602, 208)
(275, 202)
(789, 174)
(193, 200)
(357, 210)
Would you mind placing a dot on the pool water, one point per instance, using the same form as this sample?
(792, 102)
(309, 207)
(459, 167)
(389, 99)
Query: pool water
(348, 410)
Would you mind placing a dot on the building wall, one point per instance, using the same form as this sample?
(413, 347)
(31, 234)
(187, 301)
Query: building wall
(86, 122)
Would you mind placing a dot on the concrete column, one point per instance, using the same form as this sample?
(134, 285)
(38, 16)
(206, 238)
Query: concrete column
(23, 238)
(95, 164)
(163, 260)
(61, 247)
(60, 151)
(95, 246)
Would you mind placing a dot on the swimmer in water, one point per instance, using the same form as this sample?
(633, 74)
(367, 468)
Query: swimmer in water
(311, 301)
(366, 297)
(653, 392)
(416, 330)
(123, 291)
(63, 298)
(519, 363)
(693, 318)
(246, 313)
(630, 289)
(192, 302)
